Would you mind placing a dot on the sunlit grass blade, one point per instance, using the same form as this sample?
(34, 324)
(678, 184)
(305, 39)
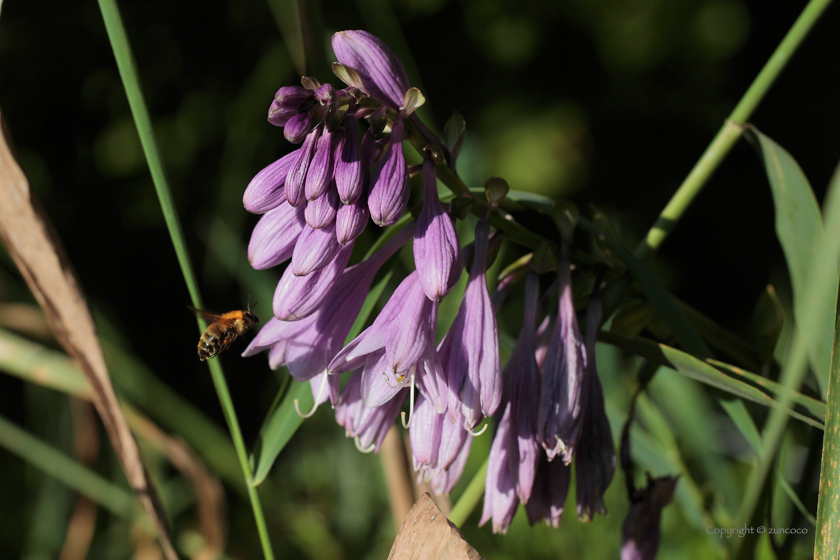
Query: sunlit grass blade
(828, 505)
(818, 302)
(131, 83)
(283, 421)
(69, 471)
(799, 228)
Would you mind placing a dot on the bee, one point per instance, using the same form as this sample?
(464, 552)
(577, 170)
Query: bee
(223, 330)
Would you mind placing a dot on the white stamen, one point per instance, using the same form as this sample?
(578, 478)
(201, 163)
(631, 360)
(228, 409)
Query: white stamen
(315, 406)
(367, 449)
(478, 433)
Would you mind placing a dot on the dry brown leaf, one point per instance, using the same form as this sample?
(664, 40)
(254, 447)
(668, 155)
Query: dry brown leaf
(427, 535)
(86, 448)
(38, 255)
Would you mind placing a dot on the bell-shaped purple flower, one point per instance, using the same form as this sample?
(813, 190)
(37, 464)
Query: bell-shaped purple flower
(561, 406)
(315, 249)
(389, 182)
(640, 533)
(296, 178)
(551, 485)
(350, 220)
(320, 172)
(454, 451)
(349, 175)
(398, 347)
(500, 499)
(437, 253)
(470, 350)
(307, 346)
(524, 378)
(595, 455)
(382, 74)
(369, 425)
(425, 432)
(274, 237)
(321, 212)
(297, 297)
(267, 190)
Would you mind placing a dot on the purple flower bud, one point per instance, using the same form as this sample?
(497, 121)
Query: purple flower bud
(349, 176)
(292, 97)
(320, 173)
(382, 73)
(448, 473)
(548, 495)
(274, 237)
(595, 456)
(321, 211)
(297, 127)
(297, 297)
(640, 533)
(500, 488)
(299, 169)
(314, 250)
(470, 350)
(370, 425)
(267, 190)
(561, 409)
(279, 115)
(325, 94)
(524, 379)
(425, 432)
(389, 182)
(437, 253)
(350, 220)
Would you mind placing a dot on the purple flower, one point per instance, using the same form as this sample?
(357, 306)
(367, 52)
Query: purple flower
(640, 533)
(350, 220)
(315, 249)
(595, 455)
(297, 127)
(297, 297)
(321, 212)
(551, 485)
(369, 425)
(437, 253)
(349, 175)
(382, 74)
(267, 190)
(307, 346)
(320, 172)
(500, 499)
(389, 182)
(425, 432)
(288, 102)
(561, 409)
(398, 348)
(524, 377)
(296, 178)
(274, 237)
(470, 350)
(439, 447)
(454, 451)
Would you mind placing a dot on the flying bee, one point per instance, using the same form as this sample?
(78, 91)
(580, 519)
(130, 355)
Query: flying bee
(223, 330)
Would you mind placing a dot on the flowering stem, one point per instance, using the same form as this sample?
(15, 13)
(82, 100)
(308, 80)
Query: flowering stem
(469, 499)
(131, 84)
(730, 132)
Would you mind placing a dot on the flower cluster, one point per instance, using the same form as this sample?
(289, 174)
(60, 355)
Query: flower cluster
(315, 202)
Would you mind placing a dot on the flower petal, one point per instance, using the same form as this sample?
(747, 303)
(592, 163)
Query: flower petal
(275, 235)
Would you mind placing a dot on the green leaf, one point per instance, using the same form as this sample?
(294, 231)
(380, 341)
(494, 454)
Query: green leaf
(283, 420)
(799, 228)
(697, 369)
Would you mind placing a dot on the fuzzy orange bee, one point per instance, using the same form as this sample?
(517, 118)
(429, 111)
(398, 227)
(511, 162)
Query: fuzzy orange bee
(223, 330)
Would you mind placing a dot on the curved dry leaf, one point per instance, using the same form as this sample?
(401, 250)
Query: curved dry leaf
(427, 535)
(36, 251)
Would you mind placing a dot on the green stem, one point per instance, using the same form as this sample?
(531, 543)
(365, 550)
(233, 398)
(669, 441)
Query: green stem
(58, 465)
(731, 130)
(828, 506)
(131, 83)
(469, 499)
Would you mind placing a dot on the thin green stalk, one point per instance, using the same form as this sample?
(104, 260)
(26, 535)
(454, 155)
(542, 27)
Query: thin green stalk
(131, 84)
(731, 130)
(61, 467)
(469, 499)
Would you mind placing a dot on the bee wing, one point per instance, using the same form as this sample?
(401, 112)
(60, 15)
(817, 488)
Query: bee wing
(209, 315)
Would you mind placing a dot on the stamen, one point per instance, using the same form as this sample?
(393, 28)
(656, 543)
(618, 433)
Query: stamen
(410, 406)
(315, 406)
(478, 433)
(367, 449)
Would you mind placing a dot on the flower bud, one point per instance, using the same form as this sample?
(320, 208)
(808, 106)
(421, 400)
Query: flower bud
(321, 211)
(273, 239)
(314, 250)
(267, 190)
(382, 74)
(349, 176)
(297, 127)
(389, 183)
(350, 220)
(297, 172)
(320, 172)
